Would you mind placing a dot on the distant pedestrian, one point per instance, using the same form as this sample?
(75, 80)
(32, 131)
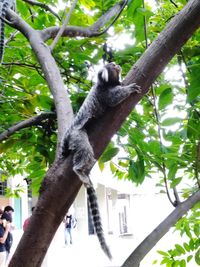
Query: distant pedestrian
(70, 223)
(26, 222)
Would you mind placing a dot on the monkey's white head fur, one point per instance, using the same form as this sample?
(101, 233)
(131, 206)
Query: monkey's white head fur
(104, 74)
(110, 73)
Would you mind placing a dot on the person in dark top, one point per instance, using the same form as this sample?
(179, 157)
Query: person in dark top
(7, 215)
(4, 230)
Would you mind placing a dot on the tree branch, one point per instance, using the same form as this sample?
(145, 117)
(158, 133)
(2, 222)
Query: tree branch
(60, 32)
(50, 70)
(19, 64)
(106, 17)
(26, 123)
(163, 165)
(152, 239)
(91, 31)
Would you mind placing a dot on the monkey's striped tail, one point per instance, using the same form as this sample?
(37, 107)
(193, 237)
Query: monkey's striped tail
(4, 6)
(93, 203)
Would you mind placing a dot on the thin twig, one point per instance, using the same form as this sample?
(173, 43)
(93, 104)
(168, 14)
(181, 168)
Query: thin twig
(174, 3)
(33, 66)
(42, 5)
(161, 148)
(163, 167)
(145, 27)
(60, 32)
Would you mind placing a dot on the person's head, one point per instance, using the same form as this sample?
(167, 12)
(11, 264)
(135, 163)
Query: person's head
(9, 210)
(7, 217)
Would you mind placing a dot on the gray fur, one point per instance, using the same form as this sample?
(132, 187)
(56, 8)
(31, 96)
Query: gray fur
(108, 92)
(4, 6)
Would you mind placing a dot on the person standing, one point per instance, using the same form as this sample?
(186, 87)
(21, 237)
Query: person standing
(7, 216)
(4, 230)
(70, 223)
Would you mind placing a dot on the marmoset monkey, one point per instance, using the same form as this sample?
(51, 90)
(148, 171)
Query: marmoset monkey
(108, 92)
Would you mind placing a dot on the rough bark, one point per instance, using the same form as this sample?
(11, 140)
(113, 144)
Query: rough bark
(61, 185)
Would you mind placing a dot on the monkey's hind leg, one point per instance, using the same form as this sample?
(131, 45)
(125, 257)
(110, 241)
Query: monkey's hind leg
(83, 155)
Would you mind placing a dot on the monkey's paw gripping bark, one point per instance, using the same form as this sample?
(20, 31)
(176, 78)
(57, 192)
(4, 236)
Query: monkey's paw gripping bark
(135, 88)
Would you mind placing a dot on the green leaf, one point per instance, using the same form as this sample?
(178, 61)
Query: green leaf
(135, 14)
(182, 263)
(101, 165)
(109, 154)
(136, 171)
(37, 174)
(172, 171)
(166, 261)
(88, 4)
(175, 182)
(197, 229)
(132, 7)
(194, 87)
(186, 247)
(113, 168)
(163, 253)
(171, 121)
(197, 257)
(189, 258)
(193, 127)
(154, 147)
(165, 98)
(180, 249)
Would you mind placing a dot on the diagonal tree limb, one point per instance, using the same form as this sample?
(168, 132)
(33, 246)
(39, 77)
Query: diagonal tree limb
(91, 31)
(36, 120)
(152, 239)
(51, 72)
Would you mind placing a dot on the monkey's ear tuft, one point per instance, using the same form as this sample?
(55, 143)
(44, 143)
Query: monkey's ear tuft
(104, 74)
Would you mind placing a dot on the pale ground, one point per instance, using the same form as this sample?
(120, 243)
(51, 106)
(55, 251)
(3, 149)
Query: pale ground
(87, 253)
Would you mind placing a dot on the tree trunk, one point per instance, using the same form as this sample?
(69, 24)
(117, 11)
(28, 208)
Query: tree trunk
(60, 186)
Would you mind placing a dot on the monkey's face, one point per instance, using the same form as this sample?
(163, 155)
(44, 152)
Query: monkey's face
(110, 74)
